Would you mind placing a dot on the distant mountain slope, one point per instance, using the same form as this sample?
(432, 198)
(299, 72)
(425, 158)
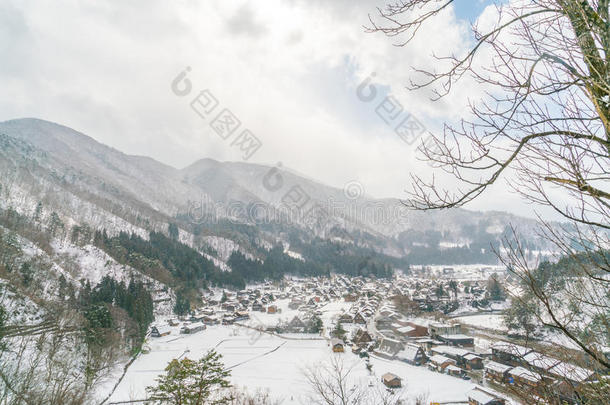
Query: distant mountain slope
(88, 182)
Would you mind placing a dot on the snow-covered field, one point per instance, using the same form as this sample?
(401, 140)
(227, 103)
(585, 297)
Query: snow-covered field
(277, 363)
(489, 321)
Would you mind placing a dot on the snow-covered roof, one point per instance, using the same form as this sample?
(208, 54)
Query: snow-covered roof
(480, 396)
(540, 360)
(450, 350)
(525, 373)
(511, 348)
(440, 359)
(405, 329)
(451, 367)
(457, 336)
(162, 328)
(571, 372)
(497, 367)
(408, 353)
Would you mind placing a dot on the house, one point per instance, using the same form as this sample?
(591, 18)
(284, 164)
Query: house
(296, 325)
(412, 354)
(454, 370)
(272, 309)
(211, 320)
(540, 362)
(473, 362)
(388, 348)
(346, 318)
(509, 353)
(192, 328)
(439, 362)
(228, 320)
(457, 340)
(497, 371)
(158, 331)
(391, 380)
(454, 353)
(241, 316)
(337, 345)
(428, 343)
(478, 396)
(196, 317)
(420, 328)
(436, 329)
(362, 337)
(523, 377)
(405, 331)
(572, 374)
(359, 318)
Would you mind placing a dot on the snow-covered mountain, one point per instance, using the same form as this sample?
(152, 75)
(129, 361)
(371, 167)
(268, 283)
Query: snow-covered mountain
(75, 212)
(85, 181)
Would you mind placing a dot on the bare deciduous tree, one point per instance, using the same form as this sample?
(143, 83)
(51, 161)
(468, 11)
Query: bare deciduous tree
(543, 126)
(333, 383)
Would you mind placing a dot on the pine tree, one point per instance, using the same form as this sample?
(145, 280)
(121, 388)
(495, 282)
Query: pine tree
(338, 331)
(186, 381)
(55, 224)
(37, 212)
(453, 287)
(182, 306)
(173, 231)
(27, 273)
(495, 291)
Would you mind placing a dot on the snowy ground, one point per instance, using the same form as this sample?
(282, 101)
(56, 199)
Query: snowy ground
(489, 321)
(464, 272)
(277, 363)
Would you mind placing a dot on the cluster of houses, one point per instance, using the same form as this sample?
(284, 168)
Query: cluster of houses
(378, 327)
(443, 294)
(534, 372)
(441, 346)
(230, 307)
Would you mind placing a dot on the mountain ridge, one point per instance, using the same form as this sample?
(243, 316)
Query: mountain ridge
(145, 188)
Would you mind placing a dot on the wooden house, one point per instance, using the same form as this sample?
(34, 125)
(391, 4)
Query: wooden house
(478, 396)
(509, 353)
(412, 354)
(192, 328)
(362, 337)
(359, 318)
(473, 362)
(439, 362)
(158, 331)
(337, 345)
(391, 380)
(388, 348)
(497, 371)
(459, 340)
(296, 325)
(346, 318)
(524, 378)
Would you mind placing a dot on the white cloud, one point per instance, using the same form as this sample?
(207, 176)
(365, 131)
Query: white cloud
(287, 69)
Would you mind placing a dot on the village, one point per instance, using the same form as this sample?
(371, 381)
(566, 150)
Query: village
(409, 334)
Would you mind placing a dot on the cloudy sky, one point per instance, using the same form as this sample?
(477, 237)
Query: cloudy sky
(289, 70)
